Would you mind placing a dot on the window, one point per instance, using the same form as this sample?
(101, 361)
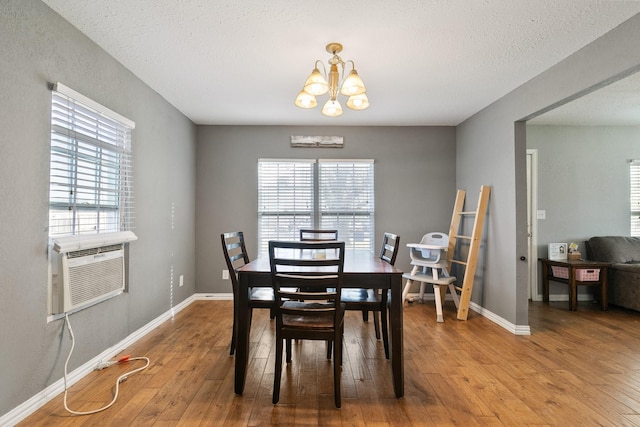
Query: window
(634, 186)
(346, 200)
(90, 185)
(326, 194)
(285, 199)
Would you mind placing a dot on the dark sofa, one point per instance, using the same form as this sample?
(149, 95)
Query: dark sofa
(623, 253)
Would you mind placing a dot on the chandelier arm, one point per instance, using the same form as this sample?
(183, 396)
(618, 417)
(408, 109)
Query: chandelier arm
(353, 64)
(318, 61)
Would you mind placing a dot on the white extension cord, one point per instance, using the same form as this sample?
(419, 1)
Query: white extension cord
(102, 365)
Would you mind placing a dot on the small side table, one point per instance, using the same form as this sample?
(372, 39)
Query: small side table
(572, 266)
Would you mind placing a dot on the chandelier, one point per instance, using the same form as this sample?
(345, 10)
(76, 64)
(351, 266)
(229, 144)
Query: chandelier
(316, 85)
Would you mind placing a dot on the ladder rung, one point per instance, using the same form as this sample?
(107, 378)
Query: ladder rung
(458, 262)
(467, 213)
(462, 237)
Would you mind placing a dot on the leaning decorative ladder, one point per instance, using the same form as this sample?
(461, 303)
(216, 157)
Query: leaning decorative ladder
(440, 284)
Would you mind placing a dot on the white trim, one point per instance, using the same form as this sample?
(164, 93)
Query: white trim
(323, 160)
(216, 297)
(66, 90)
(565, 297)
(287, 160)
(532, 250)
(514, 329)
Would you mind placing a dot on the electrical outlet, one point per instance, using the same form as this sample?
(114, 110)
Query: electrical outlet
(225, 274)
(181, 280)
(541, 214)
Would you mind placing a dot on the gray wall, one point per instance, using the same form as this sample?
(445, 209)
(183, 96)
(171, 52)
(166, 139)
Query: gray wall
(37, 47)
(491, 149)
(414, 179)
(583, 183)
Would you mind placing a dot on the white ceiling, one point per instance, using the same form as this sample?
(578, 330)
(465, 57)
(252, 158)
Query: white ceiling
(424, 62)
(617, 104)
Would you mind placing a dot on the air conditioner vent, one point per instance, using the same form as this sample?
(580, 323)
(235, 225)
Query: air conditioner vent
(93, 277)
(93, 251)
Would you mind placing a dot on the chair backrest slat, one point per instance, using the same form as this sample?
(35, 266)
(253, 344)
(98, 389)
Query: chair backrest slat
(314, 235)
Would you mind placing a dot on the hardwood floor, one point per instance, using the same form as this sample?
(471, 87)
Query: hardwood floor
(576, 369)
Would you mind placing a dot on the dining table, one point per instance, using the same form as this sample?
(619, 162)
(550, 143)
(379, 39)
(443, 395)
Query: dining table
(362, 269)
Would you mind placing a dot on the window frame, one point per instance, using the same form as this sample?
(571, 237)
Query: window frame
(91, 168)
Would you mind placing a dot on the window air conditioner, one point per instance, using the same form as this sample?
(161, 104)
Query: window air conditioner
(92, 268)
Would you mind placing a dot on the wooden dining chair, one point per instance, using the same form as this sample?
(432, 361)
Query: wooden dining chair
(375, 300)
(316, 314)
(235, 255)
(310, 235)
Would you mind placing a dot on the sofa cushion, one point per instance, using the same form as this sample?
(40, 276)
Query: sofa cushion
(630, 267)
(614, 249)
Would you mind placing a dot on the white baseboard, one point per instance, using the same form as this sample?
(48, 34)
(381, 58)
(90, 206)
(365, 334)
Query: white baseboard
(514, 329)
(561, 297)
(217, 297)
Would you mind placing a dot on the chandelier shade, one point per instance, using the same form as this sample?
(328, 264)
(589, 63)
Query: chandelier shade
(358, 102)
(332, 108)
(305, 100)
(316, 84)
(353, 85)
(334, 82)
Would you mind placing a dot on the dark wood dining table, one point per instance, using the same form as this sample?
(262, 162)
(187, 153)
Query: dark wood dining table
(362, 269)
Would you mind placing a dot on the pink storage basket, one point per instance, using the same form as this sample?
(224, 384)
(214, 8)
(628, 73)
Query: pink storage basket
(588, 275)
(582, 274)
(560, 272)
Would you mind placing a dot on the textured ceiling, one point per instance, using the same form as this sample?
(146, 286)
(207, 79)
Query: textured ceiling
(617, 104)
(424, 62)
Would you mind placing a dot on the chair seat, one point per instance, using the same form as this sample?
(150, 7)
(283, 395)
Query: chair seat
(360, 296)
(317, 321)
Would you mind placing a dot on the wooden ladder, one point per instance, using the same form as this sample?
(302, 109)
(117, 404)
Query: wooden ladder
(469, 265)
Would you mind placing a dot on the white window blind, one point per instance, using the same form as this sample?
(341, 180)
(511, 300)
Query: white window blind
(634, 191)
(90, 187)
(285, 199)
(295, 194)
(346, 200)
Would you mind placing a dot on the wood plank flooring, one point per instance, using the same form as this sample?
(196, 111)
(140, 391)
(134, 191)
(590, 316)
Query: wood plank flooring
(576, 369)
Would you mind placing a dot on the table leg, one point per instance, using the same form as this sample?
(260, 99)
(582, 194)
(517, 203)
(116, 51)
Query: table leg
(242, 339)
(545, 282)
(573, 290)
(603, 289)
(396, 320)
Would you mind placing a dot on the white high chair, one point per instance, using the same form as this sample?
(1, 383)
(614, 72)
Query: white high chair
(430, 256)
